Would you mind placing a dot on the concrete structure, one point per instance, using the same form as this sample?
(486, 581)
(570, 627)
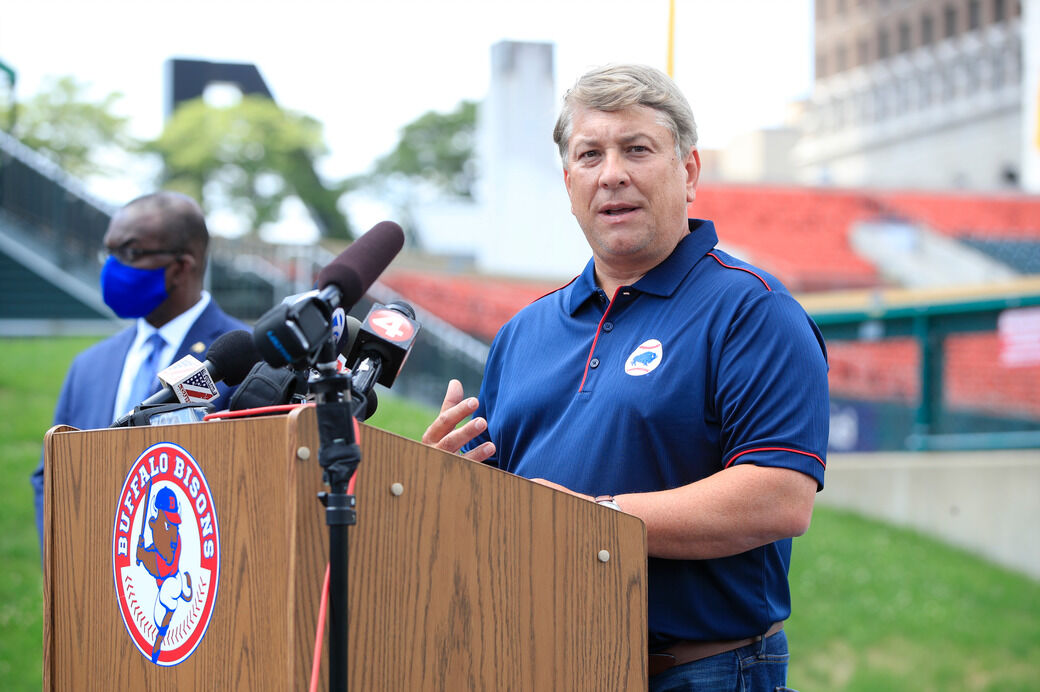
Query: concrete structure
(519, 222)
(1031, 95)
(761, 156)
(530, 230)
(916, 94)
(985, 502)
(914, 256)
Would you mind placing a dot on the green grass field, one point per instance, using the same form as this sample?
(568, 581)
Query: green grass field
(875, 607)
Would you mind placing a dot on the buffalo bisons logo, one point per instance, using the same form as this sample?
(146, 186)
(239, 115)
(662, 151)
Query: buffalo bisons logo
(644, 359)
(166, 554)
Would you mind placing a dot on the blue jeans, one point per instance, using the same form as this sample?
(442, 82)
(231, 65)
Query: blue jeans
(757, 667)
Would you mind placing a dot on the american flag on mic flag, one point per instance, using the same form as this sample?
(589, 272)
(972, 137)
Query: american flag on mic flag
(199, 387)
(190, 381)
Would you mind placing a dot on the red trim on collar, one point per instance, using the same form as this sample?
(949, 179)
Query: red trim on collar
(555, 290)
(730, 266)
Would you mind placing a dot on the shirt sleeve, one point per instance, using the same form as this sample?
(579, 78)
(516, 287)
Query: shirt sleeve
(488, 390)
(771, 388)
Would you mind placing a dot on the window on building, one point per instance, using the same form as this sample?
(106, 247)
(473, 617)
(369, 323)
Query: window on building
(997, 70)
(949, 21)
(882, 43)
(904, 37)
(880, 104)
(974, 15)
(862, 51)
(999, 10)
(972, 76)
(821, 66)
(948, 86)
(924, 91)
(927, 30)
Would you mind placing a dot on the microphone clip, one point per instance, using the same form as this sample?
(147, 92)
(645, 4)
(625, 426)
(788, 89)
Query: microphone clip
(294, 333)
(164, 414)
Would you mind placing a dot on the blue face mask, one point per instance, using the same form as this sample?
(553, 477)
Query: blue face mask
(132, 292)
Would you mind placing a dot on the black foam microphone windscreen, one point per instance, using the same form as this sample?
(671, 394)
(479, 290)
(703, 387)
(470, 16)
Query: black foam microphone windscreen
(357, 267)
(233, 355)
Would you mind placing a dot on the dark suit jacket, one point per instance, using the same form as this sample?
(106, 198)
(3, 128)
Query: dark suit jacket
(89, 392)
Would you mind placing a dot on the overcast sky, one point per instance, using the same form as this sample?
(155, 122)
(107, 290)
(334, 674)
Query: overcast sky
(366, 68)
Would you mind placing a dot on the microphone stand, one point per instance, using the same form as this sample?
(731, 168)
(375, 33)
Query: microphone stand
(339, 455)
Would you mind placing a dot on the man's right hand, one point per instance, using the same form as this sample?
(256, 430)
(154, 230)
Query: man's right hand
(442, 433)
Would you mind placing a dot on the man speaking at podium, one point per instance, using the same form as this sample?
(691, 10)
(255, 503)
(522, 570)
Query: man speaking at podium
(154, 273)
(671, 381)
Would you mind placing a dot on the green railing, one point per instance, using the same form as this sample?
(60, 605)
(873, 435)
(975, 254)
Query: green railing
(929, 317)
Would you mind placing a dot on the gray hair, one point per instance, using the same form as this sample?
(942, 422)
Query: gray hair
(616, 87)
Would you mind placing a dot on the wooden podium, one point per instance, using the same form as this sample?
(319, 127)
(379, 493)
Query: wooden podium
(461, 577)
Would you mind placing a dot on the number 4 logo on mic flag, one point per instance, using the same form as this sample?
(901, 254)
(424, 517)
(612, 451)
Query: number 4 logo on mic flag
(391, 325)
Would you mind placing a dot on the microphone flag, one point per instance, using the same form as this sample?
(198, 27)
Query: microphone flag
(190, 381)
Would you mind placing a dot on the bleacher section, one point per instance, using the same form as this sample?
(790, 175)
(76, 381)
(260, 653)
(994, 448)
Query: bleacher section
(802, 234)
(798, 234)
(474, 304)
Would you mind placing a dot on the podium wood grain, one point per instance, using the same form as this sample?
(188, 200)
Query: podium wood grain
(469, 579)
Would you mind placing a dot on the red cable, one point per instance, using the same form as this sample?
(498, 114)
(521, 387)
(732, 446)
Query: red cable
(316, 666)
(249, 412)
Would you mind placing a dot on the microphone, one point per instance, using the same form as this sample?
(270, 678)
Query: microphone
(293, 334)
(363, 406)
(345, 345)
(383, 343)
(358, 267)
(267, 385)
(228, 360)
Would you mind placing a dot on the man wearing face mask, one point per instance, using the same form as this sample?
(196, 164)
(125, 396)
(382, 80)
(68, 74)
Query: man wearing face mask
(154, 274)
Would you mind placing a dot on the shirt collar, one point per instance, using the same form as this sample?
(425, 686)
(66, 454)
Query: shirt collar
(174, 331)
(663, 279)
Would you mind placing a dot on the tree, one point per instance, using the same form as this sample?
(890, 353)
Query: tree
(61, 123)
(249, 158)
(437, 148)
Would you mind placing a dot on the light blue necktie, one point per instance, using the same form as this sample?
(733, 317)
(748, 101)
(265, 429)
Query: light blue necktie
(146, 382)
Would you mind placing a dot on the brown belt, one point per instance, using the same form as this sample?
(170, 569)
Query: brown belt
(690, 651)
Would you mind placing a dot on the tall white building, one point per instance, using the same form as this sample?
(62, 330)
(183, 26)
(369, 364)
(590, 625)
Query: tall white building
(519, 222)
(529, 224)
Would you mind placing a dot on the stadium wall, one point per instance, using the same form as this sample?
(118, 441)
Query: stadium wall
(985, 502)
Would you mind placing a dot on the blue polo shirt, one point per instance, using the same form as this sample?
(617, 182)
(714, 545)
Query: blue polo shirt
(703, 363)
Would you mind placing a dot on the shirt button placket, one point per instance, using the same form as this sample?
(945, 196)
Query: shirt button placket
(607, 326)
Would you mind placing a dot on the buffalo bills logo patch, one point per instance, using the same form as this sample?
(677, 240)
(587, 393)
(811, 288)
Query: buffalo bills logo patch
(645, 358)
(166, 554)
